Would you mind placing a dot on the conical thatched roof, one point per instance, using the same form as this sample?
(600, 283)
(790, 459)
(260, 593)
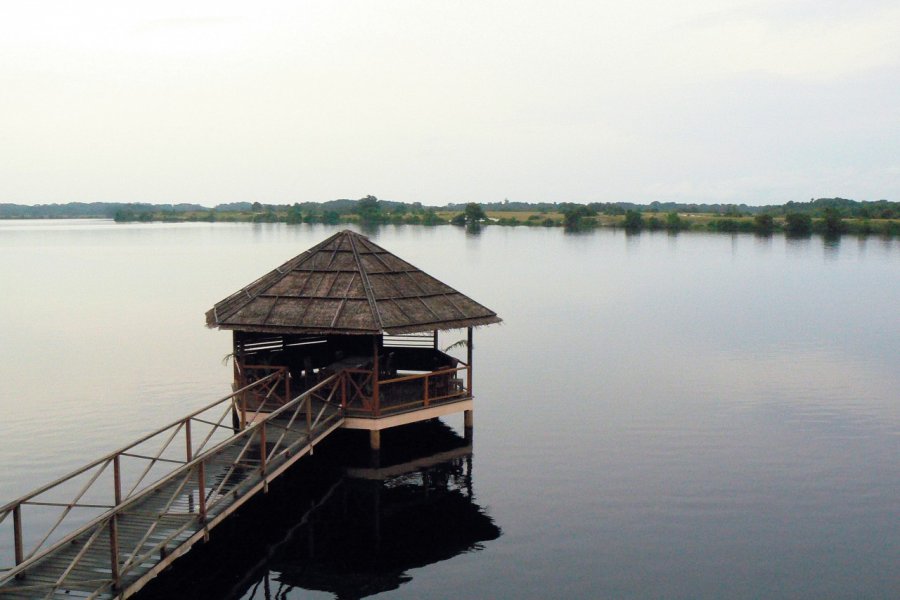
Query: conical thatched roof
(347, 285)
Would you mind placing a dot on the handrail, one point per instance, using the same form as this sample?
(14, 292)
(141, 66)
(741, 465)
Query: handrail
(10, 505)
(421, 375)
(100, 465)
(186, 468)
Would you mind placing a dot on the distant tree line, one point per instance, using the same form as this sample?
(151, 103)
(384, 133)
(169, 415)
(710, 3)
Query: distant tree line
(829, 216)
(87, 210)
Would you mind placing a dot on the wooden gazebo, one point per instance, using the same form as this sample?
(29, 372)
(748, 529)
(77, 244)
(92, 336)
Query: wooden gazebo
(347, 306)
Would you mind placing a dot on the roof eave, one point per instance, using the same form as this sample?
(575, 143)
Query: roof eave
(417, 328)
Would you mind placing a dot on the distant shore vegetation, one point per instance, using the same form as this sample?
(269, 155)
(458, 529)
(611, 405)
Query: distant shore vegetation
(827, 216)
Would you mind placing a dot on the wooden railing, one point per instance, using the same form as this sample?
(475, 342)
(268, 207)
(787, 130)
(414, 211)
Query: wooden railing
(359, 394)
(88, 503)
(436, 386)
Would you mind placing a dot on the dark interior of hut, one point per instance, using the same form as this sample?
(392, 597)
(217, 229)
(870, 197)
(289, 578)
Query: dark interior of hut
(411, 370)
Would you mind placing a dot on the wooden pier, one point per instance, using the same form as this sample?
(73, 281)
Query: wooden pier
(343, 335)
(151, 513)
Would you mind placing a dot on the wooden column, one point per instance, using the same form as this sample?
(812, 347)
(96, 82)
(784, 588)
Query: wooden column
(375, 367)
(17, 534)
(375, 440)
(114, 521)
(435, 339)
(469, 348)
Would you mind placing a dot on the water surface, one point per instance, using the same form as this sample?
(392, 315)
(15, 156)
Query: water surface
(658, 416)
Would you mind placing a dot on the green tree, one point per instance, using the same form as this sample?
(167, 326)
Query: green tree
(430, 218)
(634, 221)
(369, 210)
(723, 225)
(763, 224)
(294, 214)
(124, 216)
(574, 216)
(674, 222)
(797, 224)
(834, 223)
(474, 214)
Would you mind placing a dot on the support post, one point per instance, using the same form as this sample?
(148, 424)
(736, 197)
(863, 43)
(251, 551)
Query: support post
(375, 399)
(468, 425)
(262, 448)
(17, 534)
(243, 411)
(238, 378)
(469, 347)
(435, 339)
(114, 549)
(201, 481)
(375, 440)
(114, 521)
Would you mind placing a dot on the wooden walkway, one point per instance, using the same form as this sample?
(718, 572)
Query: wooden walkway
(106, 529)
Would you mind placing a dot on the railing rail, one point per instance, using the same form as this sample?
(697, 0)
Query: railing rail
(397, 394)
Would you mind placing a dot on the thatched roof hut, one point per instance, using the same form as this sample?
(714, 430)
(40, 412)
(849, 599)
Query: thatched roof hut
(347, 285)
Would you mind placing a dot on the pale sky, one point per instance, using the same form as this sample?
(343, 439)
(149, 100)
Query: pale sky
(692, 101)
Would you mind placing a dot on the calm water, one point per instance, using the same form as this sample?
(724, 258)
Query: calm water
(659, 416)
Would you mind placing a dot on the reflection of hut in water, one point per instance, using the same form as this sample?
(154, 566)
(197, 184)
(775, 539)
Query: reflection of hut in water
(342, 526)
(349, 307)
(390, 519)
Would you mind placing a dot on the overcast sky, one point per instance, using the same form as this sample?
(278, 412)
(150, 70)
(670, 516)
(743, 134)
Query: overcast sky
(201, 101)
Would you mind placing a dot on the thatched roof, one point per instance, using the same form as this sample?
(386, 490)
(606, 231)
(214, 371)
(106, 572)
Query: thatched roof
(347, 285)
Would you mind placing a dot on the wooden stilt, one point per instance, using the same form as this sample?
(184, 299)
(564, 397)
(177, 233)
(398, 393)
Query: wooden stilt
(375, 440)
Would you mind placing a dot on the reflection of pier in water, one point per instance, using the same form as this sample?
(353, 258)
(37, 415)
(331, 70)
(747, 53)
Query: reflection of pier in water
(368, 527)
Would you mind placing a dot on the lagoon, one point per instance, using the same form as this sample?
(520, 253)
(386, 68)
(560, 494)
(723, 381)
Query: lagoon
(679, 416)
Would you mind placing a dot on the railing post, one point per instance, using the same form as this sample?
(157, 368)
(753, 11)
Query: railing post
(376, 397)
(262, 448)
(114, 549)
(201, 481)
(375, 368)
(17, 534)
(189, 449)
(344, 378)
(426, 390)
(117, 480)
(114, 523)
(309, 415)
